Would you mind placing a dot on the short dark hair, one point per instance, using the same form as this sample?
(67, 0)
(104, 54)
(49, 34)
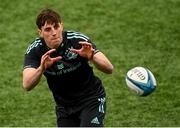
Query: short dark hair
(49, 16)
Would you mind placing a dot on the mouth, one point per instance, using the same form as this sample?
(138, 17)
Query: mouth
(55, 38)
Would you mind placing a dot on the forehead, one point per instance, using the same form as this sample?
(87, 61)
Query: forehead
(50, 24)
(47, 24)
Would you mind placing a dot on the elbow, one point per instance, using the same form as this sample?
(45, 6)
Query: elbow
(110, 69)
(26, 87)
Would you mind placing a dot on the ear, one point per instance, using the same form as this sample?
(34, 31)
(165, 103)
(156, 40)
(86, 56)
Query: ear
(39, 32)
(61, 25)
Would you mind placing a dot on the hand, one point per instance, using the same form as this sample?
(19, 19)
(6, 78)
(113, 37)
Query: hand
(47, 61)
(86, 51)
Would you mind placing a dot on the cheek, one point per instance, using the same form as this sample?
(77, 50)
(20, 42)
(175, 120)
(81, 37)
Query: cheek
(46, 35)
(46, 38)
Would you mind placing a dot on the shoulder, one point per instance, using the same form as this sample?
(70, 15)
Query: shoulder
(77, 35)
(34, 45)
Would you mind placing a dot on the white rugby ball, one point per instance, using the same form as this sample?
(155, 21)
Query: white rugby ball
(141, 81)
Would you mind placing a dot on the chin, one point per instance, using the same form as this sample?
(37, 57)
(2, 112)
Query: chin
(56, 45)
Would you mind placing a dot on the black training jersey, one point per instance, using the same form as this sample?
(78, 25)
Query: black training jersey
(71, 79)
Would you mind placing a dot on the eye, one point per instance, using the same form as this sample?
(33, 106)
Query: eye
(47, 29)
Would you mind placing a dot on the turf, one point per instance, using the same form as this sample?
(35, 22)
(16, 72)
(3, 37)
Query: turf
(130, 32)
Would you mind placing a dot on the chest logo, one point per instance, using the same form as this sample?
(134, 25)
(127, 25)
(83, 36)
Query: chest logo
(60, 66)
(70, 55)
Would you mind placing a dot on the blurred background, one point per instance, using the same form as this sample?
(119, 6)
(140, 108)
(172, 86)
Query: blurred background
(130, 32)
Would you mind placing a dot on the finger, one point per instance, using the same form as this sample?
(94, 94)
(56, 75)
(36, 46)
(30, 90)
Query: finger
(47, 54)
(86, 45)
(50, 51)
(56, 58)
(44, 57)
(83, 43)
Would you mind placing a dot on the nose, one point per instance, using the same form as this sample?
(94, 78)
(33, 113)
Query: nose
(54, 32)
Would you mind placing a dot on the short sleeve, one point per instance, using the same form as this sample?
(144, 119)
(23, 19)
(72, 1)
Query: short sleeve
(32, 56)
(31, 60)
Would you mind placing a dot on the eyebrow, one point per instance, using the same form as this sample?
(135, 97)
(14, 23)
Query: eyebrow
(47, 28)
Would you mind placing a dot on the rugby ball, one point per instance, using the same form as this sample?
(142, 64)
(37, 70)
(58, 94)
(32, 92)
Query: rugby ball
(141, 81)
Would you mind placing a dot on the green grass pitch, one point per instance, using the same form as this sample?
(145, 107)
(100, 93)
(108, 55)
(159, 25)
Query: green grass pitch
(130, 32)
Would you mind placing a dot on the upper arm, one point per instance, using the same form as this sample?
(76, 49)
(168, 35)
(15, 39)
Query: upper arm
(31, 63)
(32, 55)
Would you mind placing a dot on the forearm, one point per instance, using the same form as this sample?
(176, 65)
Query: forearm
(31, 77)
(102, 63)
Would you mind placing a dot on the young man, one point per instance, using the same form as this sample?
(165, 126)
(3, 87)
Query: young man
(63, 58)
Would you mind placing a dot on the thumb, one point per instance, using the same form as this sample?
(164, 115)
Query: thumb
(56, 58)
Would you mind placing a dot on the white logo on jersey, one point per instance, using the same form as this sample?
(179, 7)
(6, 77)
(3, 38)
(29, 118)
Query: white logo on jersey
(101, 106)
(70, 55)
(95, 121)
(60, 66)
